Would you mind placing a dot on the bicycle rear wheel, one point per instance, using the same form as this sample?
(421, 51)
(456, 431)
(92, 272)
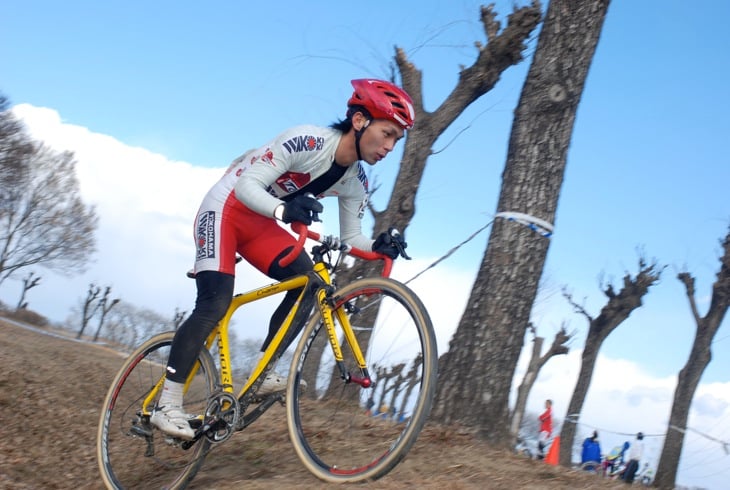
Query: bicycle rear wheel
(131, 452)
(344, 432)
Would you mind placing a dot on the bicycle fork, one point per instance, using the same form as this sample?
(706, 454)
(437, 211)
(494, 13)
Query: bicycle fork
(326, 306)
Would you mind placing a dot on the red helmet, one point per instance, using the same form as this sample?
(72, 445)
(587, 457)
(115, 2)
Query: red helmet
(383, 100)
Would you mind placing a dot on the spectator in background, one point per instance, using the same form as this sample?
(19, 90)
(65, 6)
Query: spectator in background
(635, 454)
(590, 458)
(546, 429)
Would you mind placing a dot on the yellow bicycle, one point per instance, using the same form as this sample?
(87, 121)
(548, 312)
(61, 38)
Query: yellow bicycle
(332, 397)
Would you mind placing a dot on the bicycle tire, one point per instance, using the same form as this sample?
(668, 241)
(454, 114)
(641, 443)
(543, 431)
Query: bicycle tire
(329, 425)
(122, 449)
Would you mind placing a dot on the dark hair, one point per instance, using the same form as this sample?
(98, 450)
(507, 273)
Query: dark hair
(345, 125)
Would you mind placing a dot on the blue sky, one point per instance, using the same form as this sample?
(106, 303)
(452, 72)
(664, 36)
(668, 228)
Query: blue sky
(157, 97)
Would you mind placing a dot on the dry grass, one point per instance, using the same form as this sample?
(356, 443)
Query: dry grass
(52, 388)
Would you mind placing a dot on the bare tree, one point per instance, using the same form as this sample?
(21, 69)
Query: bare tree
(412, 379)
(128, 325)
(104, 306)
(43, 221)
(91, 304)
(699, 357)
(15, 148)
(618, 308)
(119, 326)
(476, 373)
(504, 49)
(29, 282)
(537, 361)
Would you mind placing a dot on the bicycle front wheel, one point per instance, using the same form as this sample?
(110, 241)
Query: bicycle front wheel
(342, 431)
(131, 452)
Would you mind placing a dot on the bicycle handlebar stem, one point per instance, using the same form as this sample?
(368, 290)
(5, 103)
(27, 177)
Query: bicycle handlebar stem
(303, 233)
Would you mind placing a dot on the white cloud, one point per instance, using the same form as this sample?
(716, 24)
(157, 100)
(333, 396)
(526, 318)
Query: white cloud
(709, 404)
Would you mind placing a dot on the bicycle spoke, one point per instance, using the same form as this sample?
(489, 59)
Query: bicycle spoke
(342, 431)
(133, 454)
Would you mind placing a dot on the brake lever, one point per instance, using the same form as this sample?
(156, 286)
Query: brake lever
(395, 234)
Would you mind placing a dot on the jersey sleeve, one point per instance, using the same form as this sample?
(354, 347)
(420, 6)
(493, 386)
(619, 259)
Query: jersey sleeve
(351, 223)
(267, 164)
(352, 205)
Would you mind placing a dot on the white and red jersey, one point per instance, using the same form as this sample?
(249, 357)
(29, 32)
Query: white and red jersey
(260, 179)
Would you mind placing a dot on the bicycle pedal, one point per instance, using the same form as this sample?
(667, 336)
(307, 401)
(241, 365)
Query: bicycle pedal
(196, 423)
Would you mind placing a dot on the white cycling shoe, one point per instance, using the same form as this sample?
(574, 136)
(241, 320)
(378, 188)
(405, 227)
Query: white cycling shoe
(174, 421)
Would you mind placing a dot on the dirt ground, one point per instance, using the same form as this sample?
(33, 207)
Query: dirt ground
(52, 388)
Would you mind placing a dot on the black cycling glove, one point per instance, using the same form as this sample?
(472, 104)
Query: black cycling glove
(303, 209)
(390, 243)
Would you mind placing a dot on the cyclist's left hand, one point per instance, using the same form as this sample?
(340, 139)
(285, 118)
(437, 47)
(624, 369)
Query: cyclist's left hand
(391, 243)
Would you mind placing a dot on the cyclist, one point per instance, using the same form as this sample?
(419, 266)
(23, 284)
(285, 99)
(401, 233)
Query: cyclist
(273, 183)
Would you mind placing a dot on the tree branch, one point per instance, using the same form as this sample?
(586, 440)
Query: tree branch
(689, 284)
(580, 309)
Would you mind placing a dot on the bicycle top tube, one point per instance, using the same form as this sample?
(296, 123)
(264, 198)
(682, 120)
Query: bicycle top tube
(303, 233)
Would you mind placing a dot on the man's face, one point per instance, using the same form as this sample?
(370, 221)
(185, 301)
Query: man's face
(379, 139)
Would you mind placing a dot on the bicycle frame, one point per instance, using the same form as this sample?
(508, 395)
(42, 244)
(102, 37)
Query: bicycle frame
(371, 323)
(321, 275)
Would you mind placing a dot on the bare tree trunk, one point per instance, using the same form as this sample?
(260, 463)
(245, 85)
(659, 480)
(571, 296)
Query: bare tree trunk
(524, 389)
(617, 309)
(699, 358)
(476, 373)
(536, 363)
(104, 310)
(90, 306)
(28, 283)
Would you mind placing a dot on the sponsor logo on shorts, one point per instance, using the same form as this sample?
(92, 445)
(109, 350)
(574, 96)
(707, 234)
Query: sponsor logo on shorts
(205, 235)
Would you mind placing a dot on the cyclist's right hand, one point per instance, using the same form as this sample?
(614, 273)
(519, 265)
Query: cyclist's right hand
(391, 243)
(303, 209)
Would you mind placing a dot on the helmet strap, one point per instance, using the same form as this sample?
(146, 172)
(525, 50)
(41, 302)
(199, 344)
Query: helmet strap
(358, 135)
(358, 132)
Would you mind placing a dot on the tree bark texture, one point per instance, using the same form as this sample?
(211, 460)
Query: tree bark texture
(477, 371)
(699, 358)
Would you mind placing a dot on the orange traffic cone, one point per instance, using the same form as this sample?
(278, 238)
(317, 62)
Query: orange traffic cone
(554, 452)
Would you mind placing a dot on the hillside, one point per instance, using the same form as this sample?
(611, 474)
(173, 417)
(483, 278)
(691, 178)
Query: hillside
(52, 388)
